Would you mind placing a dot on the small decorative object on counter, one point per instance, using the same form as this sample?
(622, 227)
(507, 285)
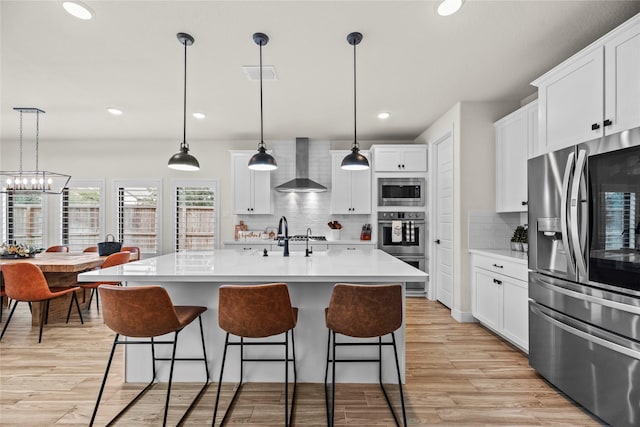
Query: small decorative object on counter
(516, 239)
(365, 234)
(334, 233)
(18, 250)
(525, 239)
(238, 228)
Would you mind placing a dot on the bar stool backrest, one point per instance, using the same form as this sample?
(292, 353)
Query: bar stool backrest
(24, 281)
(138, 311)
(255, 311)
(365, 311)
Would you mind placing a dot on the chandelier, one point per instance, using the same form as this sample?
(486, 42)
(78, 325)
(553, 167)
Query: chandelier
(32, 181)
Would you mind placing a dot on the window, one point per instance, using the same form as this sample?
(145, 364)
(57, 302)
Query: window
(24, 218)
(81, 214)
(138, 215)
(195, 215)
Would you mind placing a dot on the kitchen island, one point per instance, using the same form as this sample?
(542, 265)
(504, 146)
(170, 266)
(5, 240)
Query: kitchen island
(193, 278)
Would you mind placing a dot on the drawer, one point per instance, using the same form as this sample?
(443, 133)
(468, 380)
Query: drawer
(501, 266)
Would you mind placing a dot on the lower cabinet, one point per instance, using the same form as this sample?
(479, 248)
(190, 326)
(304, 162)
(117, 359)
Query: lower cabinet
(500, 301)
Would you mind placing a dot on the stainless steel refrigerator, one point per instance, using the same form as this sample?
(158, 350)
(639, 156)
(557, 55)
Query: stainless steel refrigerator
(584, 283)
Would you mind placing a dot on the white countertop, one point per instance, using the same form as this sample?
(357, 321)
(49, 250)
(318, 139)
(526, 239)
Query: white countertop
(506, 254)
(231, 266)
(301, 242)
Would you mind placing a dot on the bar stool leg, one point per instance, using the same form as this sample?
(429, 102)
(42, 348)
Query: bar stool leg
(173, 359)
(295, 377)
(15, 304)
(326, 375)
(43, 320)
(395, 353)
(333, 379)
(104, 380)
(224, 358)
(74, 298)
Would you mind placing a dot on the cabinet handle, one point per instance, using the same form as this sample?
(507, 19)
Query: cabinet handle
(437, 241)
(595, 126)
(525, 203)
(498, 266)
(607, 122)
(399, 166)
(497, 282)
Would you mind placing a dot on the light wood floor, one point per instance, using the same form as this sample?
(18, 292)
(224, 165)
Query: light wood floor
(457, 374)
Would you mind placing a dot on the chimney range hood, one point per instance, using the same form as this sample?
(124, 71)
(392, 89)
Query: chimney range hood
(301, 183)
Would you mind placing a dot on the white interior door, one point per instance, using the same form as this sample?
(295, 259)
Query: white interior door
(443, 236)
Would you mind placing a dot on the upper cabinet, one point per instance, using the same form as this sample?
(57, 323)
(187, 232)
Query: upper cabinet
(516, 141)
(594, 93)
(251, 189)
(350, 190)
(400, 158)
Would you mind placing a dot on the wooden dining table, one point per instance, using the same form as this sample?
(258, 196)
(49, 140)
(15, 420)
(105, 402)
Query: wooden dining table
(61, 270)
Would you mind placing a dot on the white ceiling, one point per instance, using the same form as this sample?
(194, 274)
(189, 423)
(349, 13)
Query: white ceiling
(411, 62)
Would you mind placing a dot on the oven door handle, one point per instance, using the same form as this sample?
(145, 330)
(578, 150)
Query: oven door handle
(587, 336)
(589, 298)
(575, 202)
(566, 182)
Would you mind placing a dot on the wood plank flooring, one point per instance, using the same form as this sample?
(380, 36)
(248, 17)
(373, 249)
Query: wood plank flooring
(457, 374)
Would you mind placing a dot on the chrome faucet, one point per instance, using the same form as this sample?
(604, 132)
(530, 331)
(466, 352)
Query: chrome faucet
(285, 240)
(308, 252)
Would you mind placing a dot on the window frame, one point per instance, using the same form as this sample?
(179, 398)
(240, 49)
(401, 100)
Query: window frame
(80, 183)
(44, 205)
(213, 183)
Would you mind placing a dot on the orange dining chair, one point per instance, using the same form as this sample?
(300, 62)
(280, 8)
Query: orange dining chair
(25, 282)
(112, 260)
(147, 312)
(58, 248)
(90, 249)
(363, 311)
(257, 311)
(134, 251)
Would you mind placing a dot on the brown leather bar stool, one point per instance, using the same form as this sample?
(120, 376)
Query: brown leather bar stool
(110, 261)
(133, 250)
(147, 312)
(58, 248)
(257, 311)
(24, 281)
(362, 311)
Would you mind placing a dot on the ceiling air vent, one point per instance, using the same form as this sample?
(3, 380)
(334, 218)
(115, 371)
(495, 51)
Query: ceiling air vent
(253, 72)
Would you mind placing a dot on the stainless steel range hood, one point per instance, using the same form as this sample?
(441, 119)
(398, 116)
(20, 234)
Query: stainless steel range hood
(301, 183)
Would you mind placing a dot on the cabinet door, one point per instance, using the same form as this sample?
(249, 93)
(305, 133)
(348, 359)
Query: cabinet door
(572, 102)
(516, 312)
(361, 192)
(622, 84)
(414, 159)
(487, 297)
(512, 138)
(242, 191)
(340, 185)
(261, 192)
(387, 160)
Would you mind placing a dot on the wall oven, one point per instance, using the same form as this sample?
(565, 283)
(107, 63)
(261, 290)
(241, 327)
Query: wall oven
(584, 284)
(401, 191)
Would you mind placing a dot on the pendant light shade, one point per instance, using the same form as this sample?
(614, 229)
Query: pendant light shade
(182, 160)
(262, 161)
(354, 160)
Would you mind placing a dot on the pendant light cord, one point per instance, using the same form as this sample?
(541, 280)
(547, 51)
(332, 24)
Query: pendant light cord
(20, 142)
(37, 137)
(261, 114)
(355, 116)
(184, 104)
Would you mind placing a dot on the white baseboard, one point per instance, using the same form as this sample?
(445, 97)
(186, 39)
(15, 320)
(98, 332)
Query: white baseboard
(463, 316)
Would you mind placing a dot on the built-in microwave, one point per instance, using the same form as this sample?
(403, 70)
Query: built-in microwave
(401, 191)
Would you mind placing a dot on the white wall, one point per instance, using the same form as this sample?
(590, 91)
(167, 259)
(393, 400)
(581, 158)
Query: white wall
(473, 181)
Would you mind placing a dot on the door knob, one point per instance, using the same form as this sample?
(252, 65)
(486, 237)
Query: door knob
(437, 241)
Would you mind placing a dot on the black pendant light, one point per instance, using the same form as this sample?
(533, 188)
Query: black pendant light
(262, 161)
(182, 160)
(354, 160)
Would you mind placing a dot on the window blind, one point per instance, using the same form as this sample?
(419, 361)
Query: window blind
(195, 218)
(80, 217)
(24, 219)
(138, 217)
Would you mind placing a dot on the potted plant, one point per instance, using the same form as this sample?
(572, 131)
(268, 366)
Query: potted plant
(516, 242)
(525, 239)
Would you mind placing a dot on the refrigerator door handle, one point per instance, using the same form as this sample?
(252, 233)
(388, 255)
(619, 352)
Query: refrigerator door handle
(566, 181)
(577, 243)
(584, 335)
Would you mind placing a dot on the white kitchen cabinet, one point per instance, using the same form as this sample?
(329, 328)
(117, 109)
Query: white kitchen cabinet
(251, 189)
(350, 190)
(515, 143)
(594, 93)
(400, 158)
(500, 297)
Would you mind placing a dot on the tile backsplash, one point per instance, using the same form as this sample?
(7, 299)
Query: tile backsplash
(491, 230)
(304, 209)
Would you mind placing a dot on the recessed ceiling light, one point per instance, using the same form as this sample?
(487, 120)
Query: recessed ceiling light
(449, 7)
(384, 115)
(115, 111)
(78, 9)
(199, 115)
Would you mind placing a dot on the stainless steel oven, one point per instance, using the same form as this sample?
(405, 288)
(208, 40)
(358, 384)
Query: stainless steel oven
(584, 284)
(402, 233)
(401, 192)
(419, 262)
